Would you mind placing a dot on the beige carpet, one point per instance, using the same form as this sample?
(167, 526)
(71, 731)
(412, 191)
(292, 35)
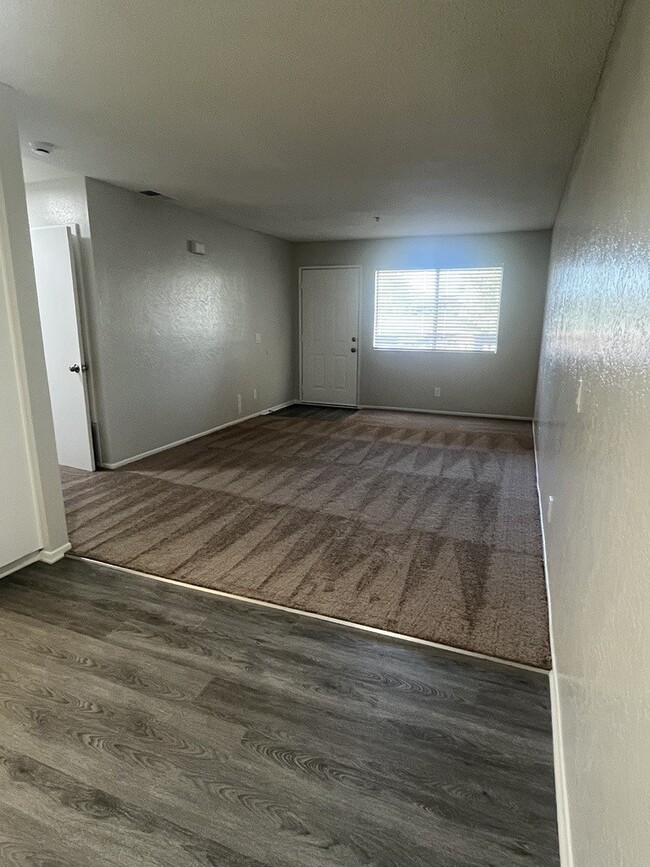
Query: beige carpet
(423, 525)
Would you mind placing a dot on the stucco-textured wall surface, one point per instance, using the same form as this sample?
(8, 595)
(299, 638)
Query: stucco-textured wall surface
(501, 383)
(595, 462)
(58, 202)
(174, 332)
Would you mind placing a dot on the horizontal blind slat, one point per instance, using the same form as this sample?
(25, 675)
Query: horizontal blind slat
(448, 309)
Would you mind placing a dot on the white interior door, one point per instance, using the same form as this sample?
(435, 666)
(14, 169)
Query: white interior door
(330, 335)
(64, 358)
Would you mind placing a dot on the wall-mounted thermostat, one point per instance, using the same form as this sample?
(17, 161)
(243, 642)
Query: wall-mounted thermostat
(196, 247)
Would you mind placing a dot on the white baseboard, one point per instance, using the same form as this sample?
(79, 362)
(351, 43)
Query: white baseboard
(34, 557)
(20, 563)
(561, 796)
(445, 412)
(131, 460)
(55, 554)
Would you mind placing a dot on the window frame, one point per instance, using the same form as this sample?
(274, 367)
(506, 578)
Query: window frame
(438, 270)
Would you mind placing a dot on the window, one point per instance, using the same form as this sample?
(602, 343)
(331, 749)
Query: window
(438, 310)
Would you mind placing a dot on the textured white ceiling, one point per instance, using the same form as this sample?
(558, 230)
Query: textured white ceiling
(37, 169)
(306, 118)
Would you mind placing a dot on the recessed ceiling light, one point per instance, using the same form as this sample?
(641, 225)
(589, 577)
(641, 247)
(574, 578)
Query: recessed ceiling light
(41, 147)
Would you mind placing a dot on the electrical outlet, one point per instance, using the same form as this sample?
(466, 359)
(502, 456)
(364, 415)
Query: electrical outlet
(436, 392)
(579, 397)
(258, 338)
(549, 509)
(239, 404)
(254, 394)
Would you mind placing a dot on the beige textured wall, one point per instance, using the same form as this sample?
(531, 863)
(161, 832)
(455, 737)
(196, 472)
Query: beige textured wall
(58, 202)
(494, 384)
(174, 333)
(596, 463)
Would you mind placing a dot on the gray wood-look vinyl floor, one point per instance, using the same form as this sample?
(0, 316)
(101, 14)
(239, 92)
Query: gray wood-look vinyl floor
(147, 724)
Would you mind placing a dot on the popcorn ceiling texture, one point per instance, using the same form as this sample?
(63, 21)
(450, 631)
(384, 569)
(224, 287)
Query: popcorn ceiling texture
(302, 119)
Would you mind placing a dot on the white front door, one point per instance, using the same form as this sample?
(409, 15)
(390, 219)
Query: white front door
(64, 358)
(330, 335)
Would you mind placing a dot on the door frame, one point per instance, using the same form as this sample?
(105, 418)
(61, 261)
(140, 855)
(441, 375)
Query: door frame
(36, 516)
(359, 271)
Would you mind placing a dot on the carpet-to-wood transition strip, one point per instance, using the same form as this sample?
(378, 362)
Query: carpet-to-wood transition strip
(419, 524)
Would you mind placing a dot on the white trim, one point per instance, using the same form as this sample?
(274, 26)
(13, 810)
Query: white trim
(56, 554)
(437, 269)
(9, 297)
(447, 649)
(329, 405)
(42, 555)
(82, 292)
(118, 464)
(561, 793)
(445, 412)
(20, 563)
(302, 268)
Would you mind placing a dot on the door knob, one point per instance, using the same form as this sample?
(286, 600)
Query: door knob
(354, 339)
(74, 368)
(353, 349)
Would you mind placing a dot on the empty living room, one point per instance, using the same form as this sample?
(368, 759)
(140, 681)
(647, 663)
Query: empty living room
(324, 410)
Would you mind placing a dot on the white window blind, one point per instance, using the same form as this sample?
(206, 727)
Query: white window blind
(439, 310)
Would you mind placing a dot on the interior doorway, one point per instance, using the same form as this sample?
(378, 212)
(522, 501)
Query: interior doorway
(56, 286)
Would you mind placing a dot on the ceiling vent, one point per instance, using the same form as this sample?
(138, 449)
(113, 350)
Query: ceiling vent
(154, 194)
(41, 147)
